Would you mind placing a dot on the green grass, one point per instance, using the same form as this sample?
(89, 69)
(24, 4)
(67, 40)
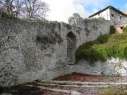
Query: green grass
(125, 29)
(113, 91)
(106, 46)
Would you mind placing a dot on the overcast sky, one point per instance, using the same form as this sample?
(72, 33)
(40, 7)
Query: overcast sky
(61, 10)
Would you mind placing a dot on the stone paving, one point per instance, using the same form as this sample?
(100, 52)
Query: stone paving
(88, 85)
(59, 88)
(85, 88)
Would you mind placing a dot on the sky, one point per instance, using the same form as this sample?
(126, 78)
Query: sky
(61, 10)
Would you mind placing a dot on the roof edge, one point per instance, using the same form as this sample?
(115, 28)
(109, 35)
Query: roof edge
(108, 7)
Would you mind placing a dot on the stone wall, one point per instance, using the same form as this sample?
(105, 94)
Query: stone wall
(34, 50)
(113, 66)
(117, 18)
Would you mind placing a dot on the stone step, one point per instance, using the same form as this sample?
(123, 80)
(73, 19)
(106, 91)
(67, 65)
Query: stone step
(56, 90)
(78, 83)
(72, 87)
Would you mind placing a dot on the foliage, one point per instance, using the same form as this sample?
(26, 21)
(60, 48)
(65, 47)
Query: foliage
(7, 5)
(104, 47)
(103, 38)
(5, 15)
(125, 29)
(112, 30)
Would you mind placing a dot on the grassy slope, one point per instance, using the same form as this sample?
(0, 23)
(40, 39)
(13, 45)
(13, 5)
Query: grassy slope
(104, 47)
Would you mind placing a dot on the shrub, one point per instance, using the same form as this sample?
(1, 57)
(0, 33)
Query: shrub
(6, 15)
(125, 29)
(125, 52)
(89, 52)
(104, 47)
(84, 48)
(103, 38)
(112, 30)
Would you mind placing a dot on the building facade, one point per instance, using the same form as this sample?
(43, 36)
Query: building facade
(117, 17)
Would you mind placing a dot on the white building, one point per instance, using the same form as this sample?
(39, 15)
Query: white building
(117, 17)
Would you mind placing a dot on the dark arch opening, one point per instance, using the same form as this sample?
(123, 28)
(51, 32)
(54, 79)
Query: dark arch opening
(71, 47)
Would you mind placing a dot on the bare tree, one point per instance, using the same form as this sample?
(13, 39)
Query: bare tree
(75, 20)
(7, 6)
(18, 4)
(31, 9)
(35, 9)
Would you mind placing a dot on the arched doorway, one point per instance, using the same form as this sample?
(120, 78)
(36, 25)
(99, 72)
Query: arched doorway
(71, 47)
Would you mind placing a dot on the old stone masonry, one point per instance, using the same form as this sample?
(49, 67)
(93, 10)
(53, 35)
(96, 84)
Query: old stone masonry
(35, 50)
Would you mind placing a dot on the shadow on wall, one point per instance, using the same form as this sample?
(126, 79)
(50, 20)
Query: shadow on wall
(71, 47)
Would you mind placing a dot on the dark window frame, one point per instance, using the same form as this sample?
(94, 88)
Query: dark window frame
(112, 15)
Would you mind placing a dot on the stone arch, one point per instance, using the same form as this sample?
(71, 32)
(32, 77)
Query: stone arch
(71, 47)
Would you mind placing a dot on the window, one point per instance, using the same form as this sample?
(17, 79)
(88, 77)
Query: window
(112, 15)
(121, 27)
